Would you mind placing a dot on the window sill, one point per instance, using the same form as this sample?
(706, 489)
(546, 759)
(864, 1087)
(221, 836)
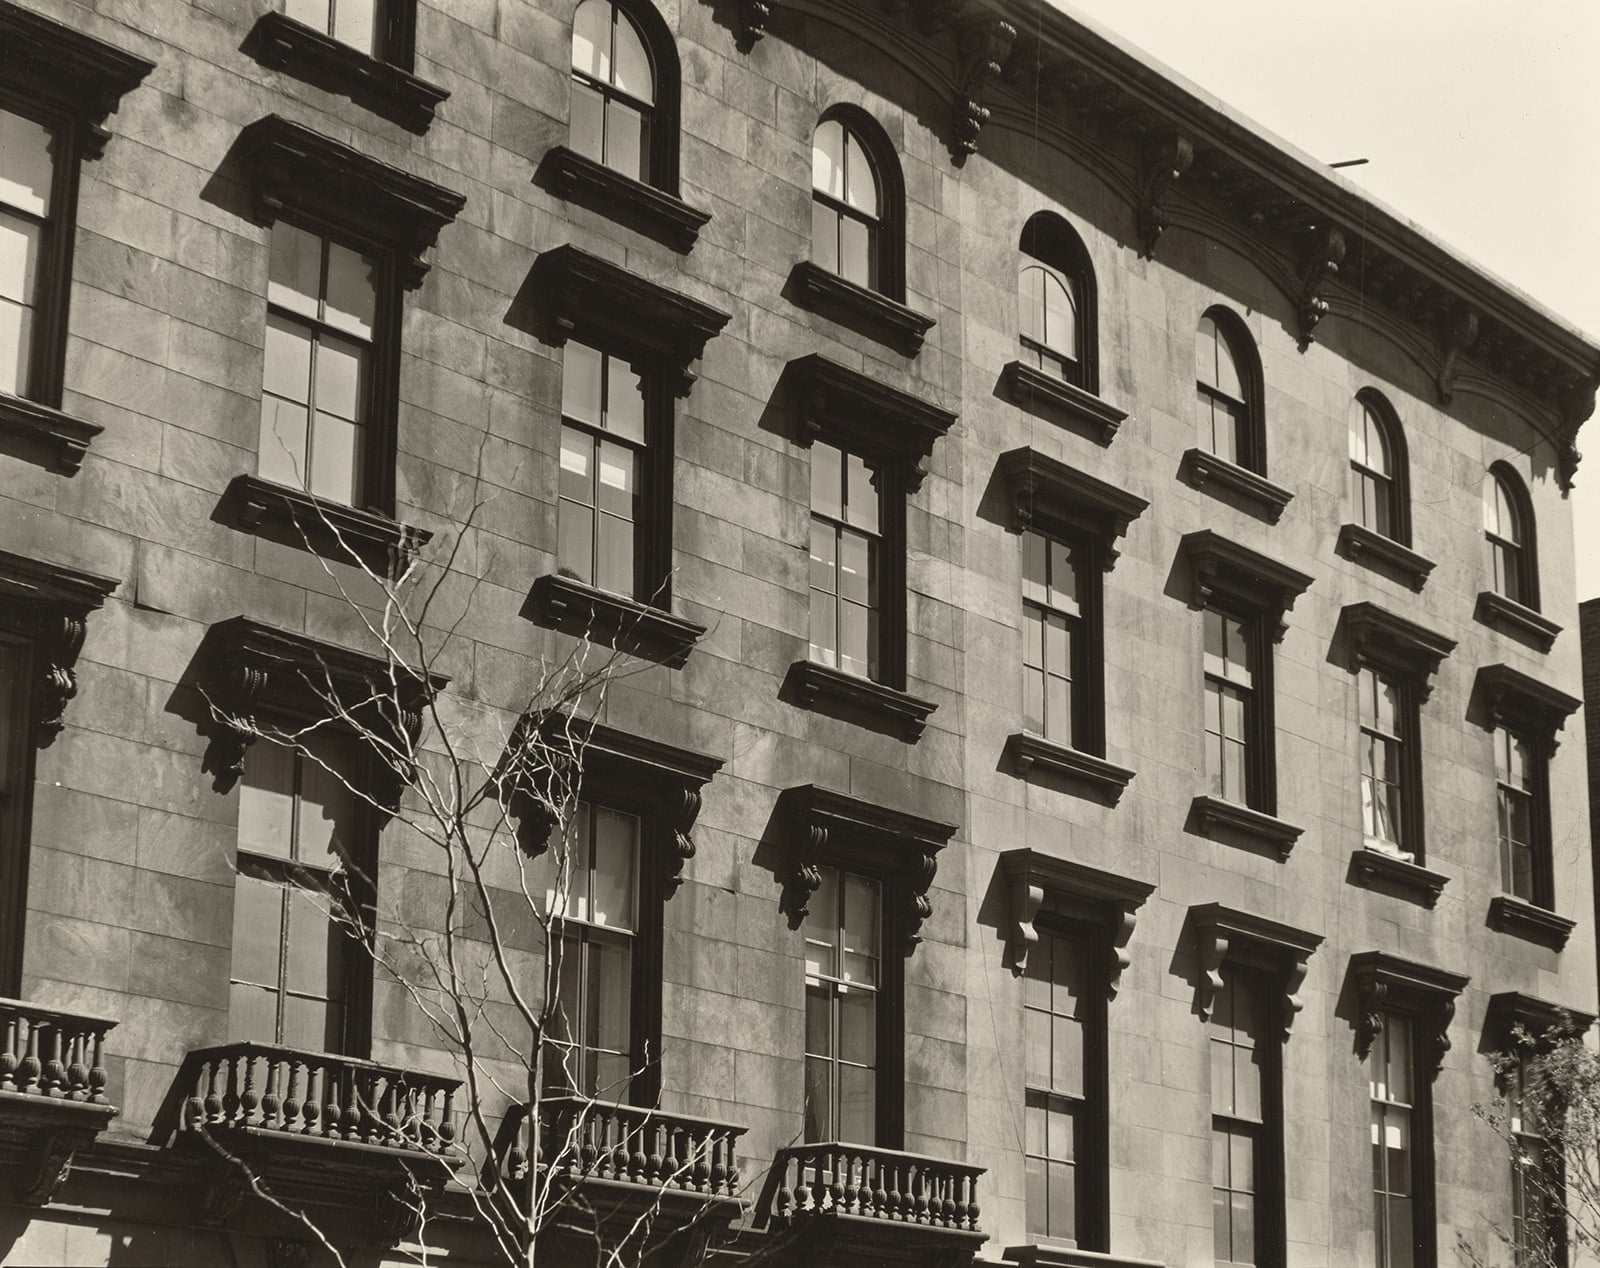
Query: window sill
(1213, 816)
(347, 534)
(1361, 545)
(652, 211)
(65, 437)
(1251, 492)
(1522, 919)
(1060, 1255)
(279, 42)
(1513, 618)
(1385, 871)
(864, 311)
(1049, 397)
(1026, 752)
(576, 608)
(857, 699)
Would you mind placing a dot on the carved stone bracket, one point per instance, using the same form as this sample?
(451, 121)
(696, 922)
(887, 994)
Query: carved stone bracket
(397, 1211)
(822, 826)
(870, 416)
(1384, 982)
(1038, 882)
(1222, 568)
(753, 18)
(1162, 160)
(1515, 1020)
(1048, 494)
(1378, 637)
(1225, 935)
(48, 1161)
(1457, 332)
(1576, 405)
(49, 605)
(984, 47)
(1537, 711)
(1319, 263)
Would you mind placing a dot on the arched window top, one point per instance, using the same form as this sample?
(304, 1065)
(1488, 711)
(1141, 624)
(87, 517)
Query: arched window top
(1508, 526)
(625, 90)
(1056, 301)
(1379, 490)
(1228, 380)
(856, 199)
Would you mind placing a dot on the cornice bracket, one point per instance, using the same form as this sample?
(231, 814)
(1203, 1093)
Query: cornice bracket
(1223, 934)
(1162, 160)
(985, 47)
(1035, 880)
(1457, 332)
(1318, 265)
(1383, 982)
(1577, 404)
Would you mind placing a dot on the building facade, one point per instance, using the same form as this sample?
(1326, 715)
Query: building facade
(1092, 586)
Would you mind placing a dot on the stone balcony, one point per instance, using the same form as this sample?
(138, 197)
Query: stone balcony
(851, 1206)
(52, 1095)
(314, 1128)
(616, 1172)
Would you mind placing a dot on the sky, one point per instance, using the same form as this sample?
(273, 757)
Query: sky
(1478, 118)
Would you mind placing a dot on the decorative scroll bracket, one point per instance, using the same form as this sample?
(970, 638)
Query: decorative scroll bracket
(1225, 935)
(1036, 881)
(1162, 161)
(1384, 983)
(1457, 333)
(1319, 264)
(49, 605)
(753, 18)
(984, 47)
(48, 1162)
(1577, 404)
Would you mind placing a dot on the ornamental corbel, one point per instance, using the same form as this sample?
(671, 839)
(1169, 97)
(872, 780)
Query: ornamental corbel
(1021, 937)
(397, 1211)
(1373, 997)
(807, 841)
(753, 18)
(985, 47)
(918, 873)
(1576, 407)
(61, 636)
(47, 1164)
(1458, 332)
(1162, 160)
(1320, 263)
(681, 847)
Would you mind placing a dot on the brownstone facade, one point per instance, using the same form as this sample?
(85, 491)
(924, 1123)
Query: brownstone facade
(137, 520)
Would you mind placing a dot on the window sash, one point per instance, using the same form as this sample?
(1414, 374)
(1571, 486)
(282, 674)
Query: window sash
(843, 967)
(846, 563)
(25, 297)
(845, 240)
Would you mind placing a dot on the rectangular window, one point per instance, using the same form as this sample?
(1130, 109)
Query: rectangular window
(843, 938)
(602, 468)
(316, 399)
(1534, 1176)
(595, 902)
(1391, 1077)
(1383, 761)
(353, 22)
(293, 913)
(1057, 1010)
(1238, 1121)
(1514, 783)
(846, 541)
(1231, 705)
(28, 179)
(1054, 642)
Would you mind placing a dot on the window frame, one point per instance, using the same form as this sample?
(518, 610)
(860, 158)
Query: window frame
(1374, 406)
(1502, 479)
(1536, 795)
(1250, 440)
(660, 149)
(868, 133)
(1264, 1132)
(836, 987)
(1048, 240)
(1419, 1122)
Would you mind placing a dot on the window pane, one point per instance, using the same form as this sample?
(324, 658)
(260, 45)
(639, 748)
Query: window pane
(861, 493)
(823, 928)
(586, 125)
(1030, 302)
(855, 251)
(575, 540)
(1063, 577)
(266, 800)
(314, 13)
(625, 150)
(19, 258)
(824, 628)
(282, 455)
(1063, 1216)
(631, 70)
(857, 1105)
(252, 1014)
(819, 1098)
(16, 346)
(613, 568)
(826, 480)
(858, 1026)
(861, 183)
(341, 375)
(1061, 317)
(1038, 1196)
(295, 273)
(819, 1019)
(311, 1024)
(336, 460)
(824, 237)
(353, 23)
(855, 568)
(580, 383)
(827, 159)
(615, 850)
(616, 487)
(26, 171)
(327, 813)
(591, 39)
(1205, 352)
(1228, 380)
(1244, 1228)
(1036, 1028)
(823, 563)
(577, 465)
(610, 1002)
(861, 919)
(1066, 1057)
(624, 400)
(1034, 570)
(286, 368)
(352, 294)
(855, 639)
(257, 930)
(311, 931)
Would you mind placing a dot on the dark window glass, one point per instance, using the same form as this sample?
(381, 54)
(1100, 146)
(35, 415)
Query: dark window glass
(602, 460)
(613, 90)
(842, 980)
(595, 910)
(846, 537)
(1055, 1013)
(1053, 639)
(846, 219)
(292, 914)
(1390, 1073)
(316, 377)
(1230, 705)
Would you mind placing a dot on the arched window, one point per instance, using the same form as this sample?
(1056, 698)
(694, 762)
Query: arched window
(856, 197)
(1508, 524)
(1378, 485)
(1228, 382)
(614, 116)
(1055, 300)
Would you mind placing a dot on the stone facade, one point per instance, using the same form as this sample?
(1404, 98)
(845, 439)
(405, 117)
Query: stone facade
(130, 847)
